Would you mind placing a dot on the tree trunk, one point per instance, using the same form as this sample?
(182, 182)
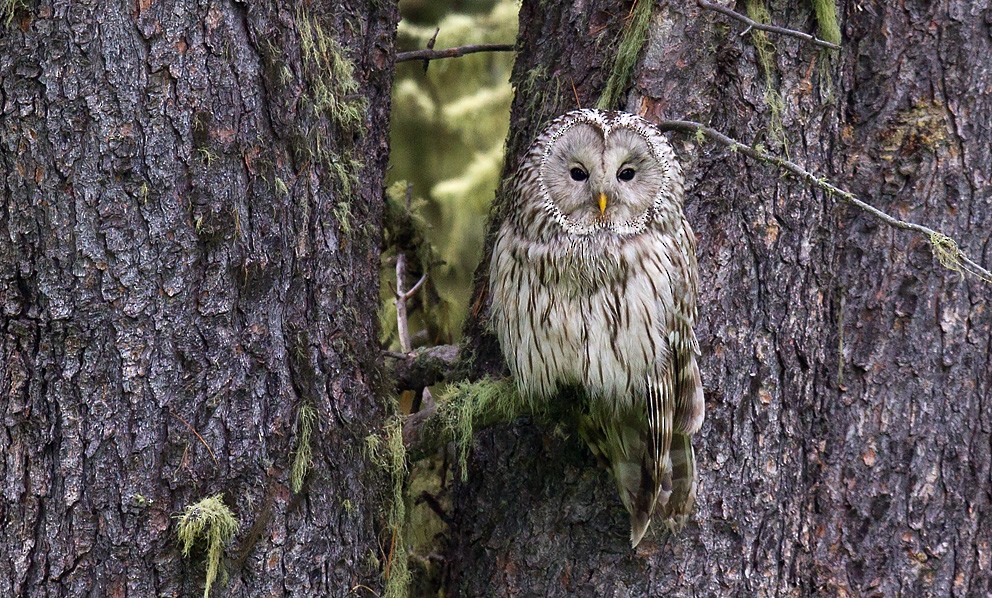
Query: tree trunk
(189, 243)
(848, 376)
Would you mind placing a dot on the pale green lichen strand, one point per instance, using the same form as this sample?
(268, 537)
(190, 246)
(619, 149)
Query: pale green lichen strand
(303, 459)
(389, 453)
(466, 405)
(8, 8)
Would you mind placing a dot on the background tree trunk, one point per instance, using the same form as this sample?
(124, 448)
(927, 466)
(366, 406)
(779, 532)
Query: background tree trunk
(848, 376)
(189, 243)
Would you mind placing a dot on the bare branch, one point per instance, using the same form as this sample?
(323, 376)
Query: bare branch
(427, 55)
(752, 24)
(945, 249)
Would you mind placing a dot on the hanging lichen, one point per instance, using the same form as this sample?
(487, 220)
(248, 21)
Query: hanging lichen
(8, 8)
(758, 12)
(466, 405)
(332, 93)
(635, 35)
(303, 458)
(389, 453)
(211, 521)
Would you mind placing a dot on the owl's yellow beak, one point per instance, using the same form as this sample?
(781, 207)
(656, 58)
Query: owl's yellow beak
(602, 203)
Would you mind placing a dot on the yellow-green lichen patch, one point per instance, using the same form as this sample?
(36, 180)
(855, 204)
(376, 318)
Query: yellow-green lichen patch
(922, 127)
(950, 256)
(826, 20)
(211, 522)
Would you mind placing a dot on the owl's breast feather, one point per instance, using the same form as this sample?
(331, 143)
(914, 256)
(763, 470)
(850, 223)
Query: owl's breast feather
(580, 313)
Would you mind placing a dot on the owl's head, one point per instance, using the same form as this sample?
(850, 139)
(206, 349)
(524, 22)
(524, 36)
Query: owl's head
(606, 171)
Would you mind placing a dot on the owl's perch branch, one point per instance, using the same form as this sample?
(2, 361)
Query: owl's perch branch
(945, 249)
(428, 55)
(424, 367)
(752, 24)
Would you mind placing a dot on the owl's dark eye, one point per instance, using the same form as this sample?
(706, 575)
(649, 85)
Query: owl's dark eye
(578, 174)
(627, 174)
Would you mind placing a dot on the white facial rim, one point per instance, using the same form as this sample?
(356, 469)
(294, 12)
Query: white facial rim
(630, 227)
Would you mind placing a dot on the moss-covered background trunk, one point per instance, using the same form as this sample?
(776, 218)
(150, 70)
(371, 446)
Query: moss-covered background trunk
(846, 449)
(190, 214)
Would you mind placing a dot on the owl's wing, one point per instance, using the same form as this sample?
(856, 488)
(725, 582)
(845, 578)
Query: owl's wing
(675, 396)
(687, 385)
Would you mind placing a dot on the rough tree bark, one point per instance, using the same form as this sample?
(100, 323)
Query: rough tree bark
(190, 216)
(846, 449)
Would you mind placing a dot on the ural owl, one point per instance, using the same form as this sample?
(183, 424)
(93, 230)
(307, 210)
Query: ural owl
(593, 283)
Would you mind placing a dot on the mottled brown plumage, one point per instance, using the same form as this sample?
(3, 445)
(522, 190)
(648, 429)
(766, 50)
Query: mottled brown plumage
(593, 283)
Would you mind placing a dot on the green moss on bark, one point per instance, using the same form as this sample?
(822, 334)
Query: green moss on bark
(635, 35)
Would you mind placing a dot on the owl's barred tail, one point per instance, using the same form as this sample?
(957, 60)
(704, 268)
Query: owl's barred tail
(683, 498)
(675, 496)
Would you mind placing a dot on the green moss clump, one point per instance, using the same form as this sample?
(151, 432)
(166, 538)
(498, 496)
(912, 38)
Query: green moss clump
(465, 405)
(628, 50)
(212, 521)
(826, 20)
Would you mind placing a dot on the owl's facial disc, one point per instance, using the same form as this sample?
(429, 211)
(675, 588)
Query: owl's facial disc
(596, 182)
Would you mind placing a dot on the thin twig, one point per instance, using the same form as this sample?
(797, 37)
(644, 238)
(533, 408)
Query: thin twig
(946, 250)
(575, 92)
(763, 27)
(193, 430)
(413, 290)
(428, 55)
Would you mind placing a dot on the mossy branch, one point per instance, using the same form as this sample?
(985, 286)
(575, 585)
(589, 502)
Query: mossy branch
(945, 249)
(424, 367)
(212, 521)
